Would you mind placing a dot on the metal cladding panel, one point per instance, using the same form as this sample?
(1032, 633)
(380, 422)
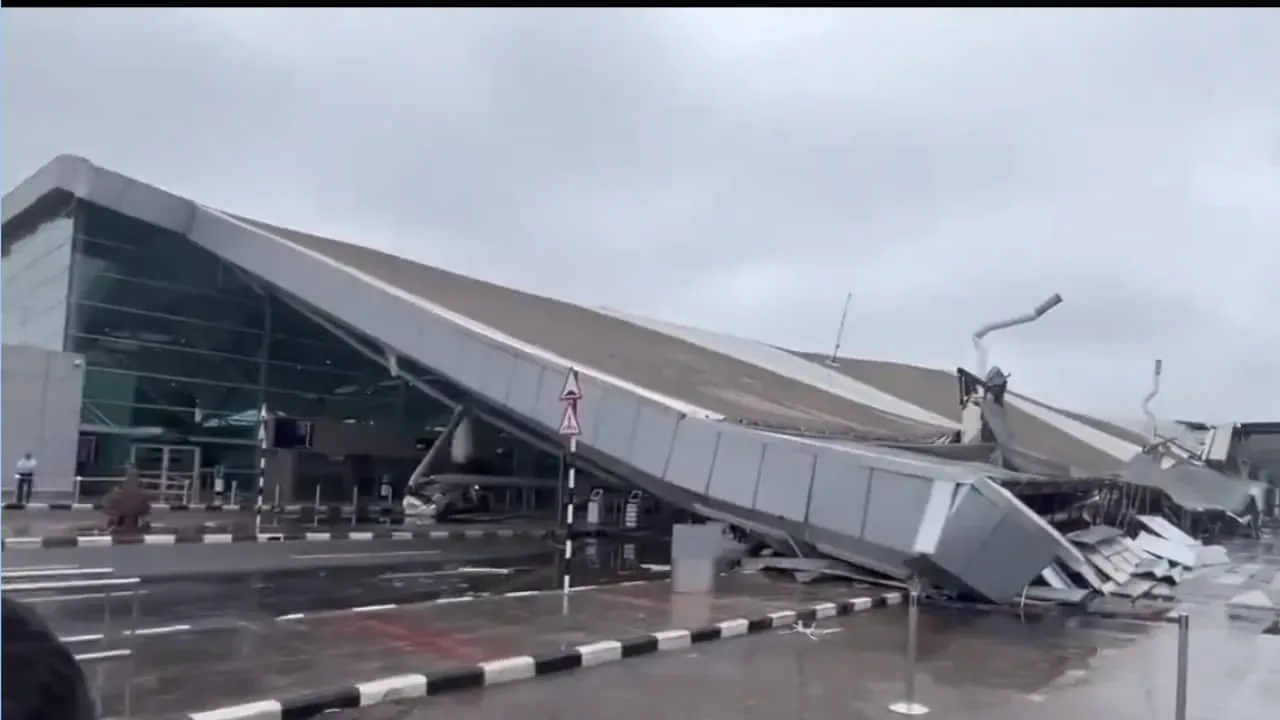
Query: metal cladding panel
(432, 341)
(1014, 554)
(841, 490)
(785, 476)
(42, 392)
(737, 467)
(994, 544)
(895, 506)
(469, 369)
(113, 190)
(588, 408)
(971, 522)
(548, 409)
(523, 386)
(859, 552)
(497, 374)
(693, 454)
(66, 172)
(653, 442)
(617, 424)
(103, 187)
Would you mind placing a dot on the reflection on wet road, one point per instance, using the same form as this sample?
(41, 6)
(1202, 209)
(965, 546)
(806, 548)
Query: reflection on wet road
(973, 665)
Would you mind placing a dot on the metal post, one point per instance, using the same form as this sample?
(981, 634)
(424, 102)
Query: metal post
(75, 491)
(262, 467)
(908, 705)
(355, 503)
(219, 485)
(315, 508)
(1180, 691)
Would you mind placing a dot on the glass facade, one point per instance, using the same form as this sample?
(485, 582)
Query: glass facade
(178, 343)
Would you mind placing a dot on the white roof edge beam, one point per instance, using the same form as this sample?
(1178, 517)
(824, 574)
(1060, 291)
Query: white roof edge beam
(1117, 448)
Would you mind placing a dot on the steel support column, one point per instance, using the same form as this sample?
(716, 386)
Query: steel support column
(459, 414)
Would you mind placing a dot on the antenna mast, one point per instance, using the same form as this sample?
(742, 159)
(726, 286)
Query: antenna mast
(844, 315)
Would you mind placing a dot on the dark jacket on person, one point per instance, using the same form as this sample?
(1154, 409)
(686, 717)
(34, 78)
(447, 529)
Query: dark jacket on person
(127, 505)
(41, 678)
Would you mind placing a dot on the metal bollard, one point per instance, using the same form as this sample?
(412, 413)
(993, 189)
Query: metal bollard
(355, 504)
(908, 705)
(315, 514)
(1180, 690)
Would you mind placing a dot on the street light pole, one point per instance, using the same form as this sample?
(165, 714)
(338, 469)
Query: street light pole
(1050, 303)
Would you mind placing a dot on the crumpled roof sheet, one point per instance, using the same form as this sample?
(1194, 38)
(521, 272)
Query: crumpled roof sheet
(1191, 486)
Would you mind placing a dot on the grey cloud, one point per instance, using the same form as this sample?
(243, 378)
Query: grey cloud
(740, 170)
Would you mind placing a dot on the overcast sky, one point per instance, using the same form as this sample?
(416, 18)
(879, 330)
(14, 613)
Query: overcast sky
(740, 170)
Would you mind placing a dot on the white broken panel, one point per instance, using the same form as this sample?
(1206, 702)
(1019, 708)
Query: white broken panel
(1212, 555)
(1171, 551)
(1135, 588)
(1167, 530)
(1056, 579)
(1253, 600)
(1100, 561)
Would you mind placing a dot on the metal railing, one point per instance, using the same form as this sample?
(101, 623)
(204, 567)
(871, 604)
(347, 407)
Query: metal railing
(110, 642)
(170, 491)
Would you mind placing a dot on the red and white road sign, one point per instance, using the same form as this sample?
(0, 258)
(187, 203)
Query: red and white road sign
(569, 425)
(572, 390)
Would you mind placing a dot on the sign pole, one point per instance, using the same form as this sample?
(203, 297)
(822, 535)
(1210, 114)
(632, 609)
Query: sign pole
(570, 394)
(262, 467)
(571, 484)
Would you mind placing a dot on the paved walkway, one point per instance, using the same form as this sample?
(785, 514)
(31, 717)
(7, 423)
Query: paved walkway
(180, 673)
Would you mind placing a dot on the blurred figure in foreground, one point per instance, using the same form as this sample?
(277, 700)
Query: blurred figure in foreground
(41, 678)
(127, 505)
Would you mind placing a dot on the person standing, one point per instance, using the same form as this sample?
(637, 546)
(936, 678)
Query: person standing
(26, 474)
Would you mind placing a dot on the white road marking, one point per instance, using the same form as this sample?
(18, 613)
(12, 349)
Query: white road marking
(13, 573)
(86, 596)
(104, 655)
(44, 567)
(393, 553)
(438, 573)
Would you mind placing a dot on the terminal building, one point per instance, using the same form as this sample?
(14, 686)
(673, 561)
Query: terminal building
(147, 328)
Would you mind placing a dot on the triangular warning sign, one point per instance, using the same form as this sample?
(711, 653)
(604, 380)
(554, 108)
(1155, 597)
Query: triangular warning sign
(572, 389)
(569, 421)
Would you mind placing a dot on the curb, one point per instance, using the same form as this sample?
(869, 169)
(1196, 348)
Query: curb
(524, 667)
(179, 538)
(213, 508)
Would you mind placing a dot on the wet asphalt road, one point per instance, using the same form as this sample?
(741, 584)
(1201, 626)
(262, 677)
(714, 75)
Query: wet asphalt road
(972, 666)
(170, 561)
(226, 585)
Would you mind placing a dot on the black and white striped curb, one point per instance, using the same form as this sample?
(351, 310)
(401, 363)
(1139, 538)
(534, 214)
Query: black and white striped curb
(214, 508)
(223, 538)
(524, 667)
